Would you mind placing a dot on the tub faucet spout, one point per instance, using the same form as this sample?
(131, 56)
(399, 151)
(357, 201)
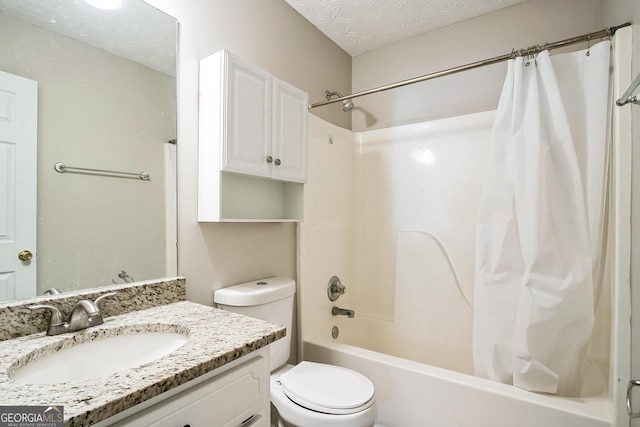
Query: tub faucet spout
(337, 311)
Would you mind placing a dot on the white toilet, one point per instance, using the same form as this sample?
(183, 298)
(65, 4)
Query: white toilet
(308, 394)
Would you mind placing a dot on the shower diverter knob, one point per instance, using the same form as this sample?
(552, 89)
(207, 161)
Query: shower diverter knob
(335, 288)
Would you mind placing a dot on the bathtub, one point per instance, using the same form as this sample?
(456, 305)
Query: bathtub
(412, 394)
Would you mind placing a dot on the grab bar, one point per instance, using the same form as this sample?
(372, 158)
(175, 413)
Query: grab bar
(62, 168)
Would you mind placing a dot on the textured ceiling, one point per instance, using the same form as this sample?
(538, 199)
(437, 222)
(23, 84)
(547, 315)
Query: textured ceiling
(358, 26)
(135, 31)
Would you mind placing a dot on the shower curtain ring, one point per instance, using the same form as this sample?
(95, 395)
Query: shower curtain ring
(589, 45)
(531, 55)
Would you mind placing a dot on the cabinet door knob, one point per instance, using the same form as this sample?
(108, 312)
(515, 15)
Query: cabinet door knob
(278, 162)
(270, 159)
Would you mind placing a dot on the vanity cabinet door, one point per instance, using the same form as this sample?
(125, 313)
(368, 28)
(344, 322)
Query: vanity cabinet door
(238, 397)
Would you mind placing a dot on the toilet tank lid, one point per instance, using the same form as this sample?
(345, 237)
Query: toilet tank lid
(256, 292)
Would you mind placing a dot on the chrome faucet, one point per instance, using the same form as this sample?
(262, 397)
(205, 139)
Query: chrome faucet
(337, 311)
(85, 313)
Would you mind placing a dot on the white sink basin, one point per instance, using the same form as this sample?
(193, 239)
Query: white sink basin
(99, 358)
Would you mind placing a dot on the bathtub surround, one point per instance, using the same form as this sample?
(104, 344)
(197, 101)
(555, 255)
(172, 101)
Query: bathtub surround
(17, 320)
(408, 180)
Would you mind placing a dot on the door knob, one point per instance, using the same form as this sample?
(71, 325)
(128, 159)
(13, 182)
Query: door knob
(25, 255)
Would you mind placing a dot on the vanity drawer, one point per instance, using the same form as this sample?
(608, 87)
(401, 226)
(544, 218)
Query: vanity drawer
(234, 398)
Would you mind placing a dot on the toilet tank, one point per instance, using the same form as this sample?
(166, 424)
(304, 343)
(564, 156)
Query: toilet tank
(269, 299)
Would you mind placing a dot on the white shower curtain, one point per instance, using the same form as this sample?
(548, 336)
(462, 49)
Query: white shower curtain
(539, 237)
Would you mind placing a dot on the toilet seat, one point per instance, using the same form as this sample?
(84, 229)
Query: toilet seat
(327, 389)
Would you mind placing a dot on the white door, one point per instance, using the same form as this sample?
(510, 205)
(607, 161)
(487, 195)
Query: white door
(18, 158)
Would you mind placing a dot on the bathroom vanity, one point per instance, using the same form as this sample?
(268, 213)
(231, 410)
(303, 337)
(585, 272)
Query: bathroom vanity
(218, 375)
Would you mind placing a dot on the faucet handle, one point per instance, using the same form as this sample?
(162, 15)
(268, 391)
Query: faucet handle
(56, 316)
(97, 301)
(101, 297)
(335, 288)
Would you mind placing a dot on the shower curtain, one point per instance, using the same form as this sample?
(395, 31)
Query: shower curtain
(539, 236)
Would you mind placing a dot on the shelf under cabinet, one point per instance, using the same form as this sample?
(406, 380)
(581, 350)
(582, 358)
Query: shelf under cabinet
(246, 198)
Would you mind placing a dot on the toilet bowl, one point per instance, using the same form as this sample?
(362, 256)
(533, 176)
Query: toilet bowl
(319, 395)
(308, 394)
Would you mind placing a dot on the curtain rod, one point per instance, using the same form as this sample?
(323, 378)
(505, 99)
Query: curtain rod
(607, 32)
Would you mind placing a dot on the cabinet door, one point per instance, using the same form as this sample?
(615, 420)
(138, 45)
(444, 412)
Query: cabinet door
(289, 145)
(239, 397)
(248, 119)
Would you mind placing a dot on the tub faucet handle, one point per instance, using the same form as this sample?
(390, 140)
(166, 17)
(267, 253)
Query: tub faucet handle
(335, 288)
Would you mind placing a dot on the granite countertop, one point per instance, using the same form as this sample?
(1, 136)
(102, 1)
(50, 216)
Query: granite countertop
(216, 337)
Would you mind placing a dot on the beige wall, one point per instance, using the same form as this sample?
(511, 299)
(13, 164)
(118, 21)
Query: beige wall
(95, 110)
(519, 26)
(273, 36)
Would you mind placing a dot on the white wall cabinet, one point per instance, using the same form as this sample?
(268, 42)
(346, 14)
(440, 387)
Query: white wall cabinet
(252, 143)
(237, 397)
